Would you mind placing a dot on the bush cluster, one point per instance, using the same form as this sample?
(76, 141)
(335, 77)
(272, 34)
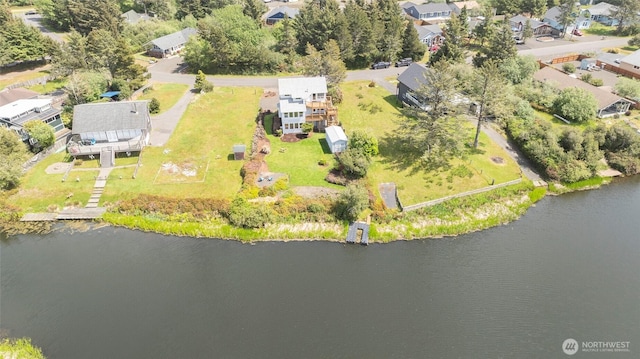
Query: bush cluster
(570, 157)
(199, 208)
(622, 148)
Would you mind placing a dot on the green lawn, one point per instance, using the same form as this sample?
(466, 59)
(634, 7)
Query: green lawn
(363, 109)
(599, 29)
(166, 93)
(50, 86)
(203, 139)
(300, 160)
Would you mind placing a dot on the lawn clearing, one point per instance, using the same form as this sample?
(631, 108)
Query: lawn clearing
(166, 93)
(300, 160)
(212, 124)
(49, 86)
(374, 110)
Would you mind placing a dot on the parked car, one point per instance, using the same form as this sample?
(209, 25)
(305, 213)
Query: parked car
(577, 32)
(519, 40)
(404, 62)
(380, 65)
(31, 12)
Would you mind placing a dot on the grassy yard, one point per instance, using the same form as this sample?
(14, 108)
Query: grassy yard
(599, 29)
(212, 124)
(50, 86)
(20, 76)
(166, 93)
(364, 109)
(300, 160)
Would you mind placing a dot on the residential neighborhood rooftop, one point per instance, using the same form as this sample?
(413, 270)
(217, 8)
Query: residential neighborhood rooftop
(8, 96)
(413, 76)
(23, 106)
(301, 87)
(109, 116)
(602, 8)
(175, 39)
(632, 59)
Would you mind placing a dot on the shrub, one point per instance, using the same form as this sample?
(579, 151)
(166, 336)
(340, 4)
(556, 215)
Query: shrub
(154, 105)
(351, 202)
(202, 84)
(41, 132)
(569, 68)
(576, 105)
(597, 82)
(586, 77)
(246, 215)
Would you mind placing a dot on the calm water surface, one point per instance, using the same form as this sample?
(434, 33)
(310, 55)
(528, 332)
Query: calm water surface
(570, 268)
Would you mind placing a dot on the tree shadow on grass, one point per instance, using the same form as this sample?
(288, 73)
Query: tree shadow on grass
(325, 146)
(398, 155)
(268, 124)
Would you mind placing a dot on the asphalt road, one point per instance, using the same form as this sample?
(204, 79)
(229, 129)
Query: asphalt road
(36, 21)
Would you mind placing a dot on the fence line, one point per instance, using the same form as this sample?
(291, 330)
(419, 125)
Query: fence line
(413, 207)
(32, 82)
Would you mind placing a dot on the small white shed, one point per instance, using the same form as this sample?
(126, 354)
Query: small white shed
(336, 139)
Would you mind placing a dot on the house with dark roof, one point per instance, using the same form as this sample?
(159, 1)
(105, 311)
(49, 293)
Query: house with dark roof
(609, 104)
(431, 12)
(304, 99)
(519, 22)
(132, 17)
(111, 127)
(409, 83)
(170, 44)
(280, 13)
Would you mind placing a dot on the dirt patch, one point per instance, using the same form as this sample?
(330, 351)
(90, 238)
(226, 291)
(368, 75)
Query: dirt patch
(57, 168)
(294, 137)
(497, 160)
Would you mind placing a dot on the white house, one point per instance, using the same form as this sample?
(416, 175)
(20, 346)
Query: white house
(304, 99)
(336, 139)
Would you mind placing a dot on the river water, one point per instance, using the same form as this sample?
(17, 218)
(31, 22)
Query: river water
(569, 268)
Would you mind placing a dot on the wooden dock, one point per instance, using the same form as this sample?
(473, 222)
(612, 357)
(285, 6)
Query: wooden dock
(352, 235)
(67, 214)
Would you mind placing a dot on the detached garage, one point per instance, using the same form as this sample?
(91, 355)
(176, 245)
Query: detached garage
(336, 139)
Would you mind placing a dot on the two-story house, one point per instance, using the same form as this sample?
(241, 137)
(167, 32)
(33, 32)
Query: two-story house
(304, 99)
(15, 114)
(601, 13)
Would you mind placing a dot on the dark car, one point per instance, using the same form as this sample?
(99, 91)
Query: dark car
(404, 62)
(380, 65)
(31, 12)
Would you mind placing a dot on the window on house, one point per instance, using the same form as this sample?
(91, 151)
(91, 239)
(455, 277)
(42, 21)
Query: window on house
(286, 115)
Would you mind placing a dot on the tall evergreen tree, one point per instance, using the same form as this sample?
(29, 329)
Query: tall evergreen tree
(568, 14)
(89, 15)
(254, 9)
(363, 46)
(55, 13)
(488, 91)
(285, 36)
(452, 50)
(389, 29)
(508, 6)
(411, 45)
(535, 8)
(316, 24)
(484, 30)
(501, 47)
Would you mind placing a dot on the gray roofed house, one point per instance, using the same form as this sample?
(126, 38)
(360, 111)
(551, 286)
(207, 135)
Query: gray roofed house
(431, 12)
(409, 82)
(431, 35)
(608, 104)
(631, 62)
(601, 13)
(553, 14)
(120, 126)
(472, 7)
(171, 44)
(279, 13)
(539, 28)
(132, 17)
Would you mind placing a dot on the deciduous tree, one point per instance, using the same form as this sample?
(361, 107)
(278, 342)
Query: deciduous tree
(42, 132)
(576, 104)
(626, 13)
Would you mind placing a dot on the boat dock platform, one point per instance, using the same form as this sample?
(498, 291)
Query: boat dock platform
(358, 233)
(67, 214)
